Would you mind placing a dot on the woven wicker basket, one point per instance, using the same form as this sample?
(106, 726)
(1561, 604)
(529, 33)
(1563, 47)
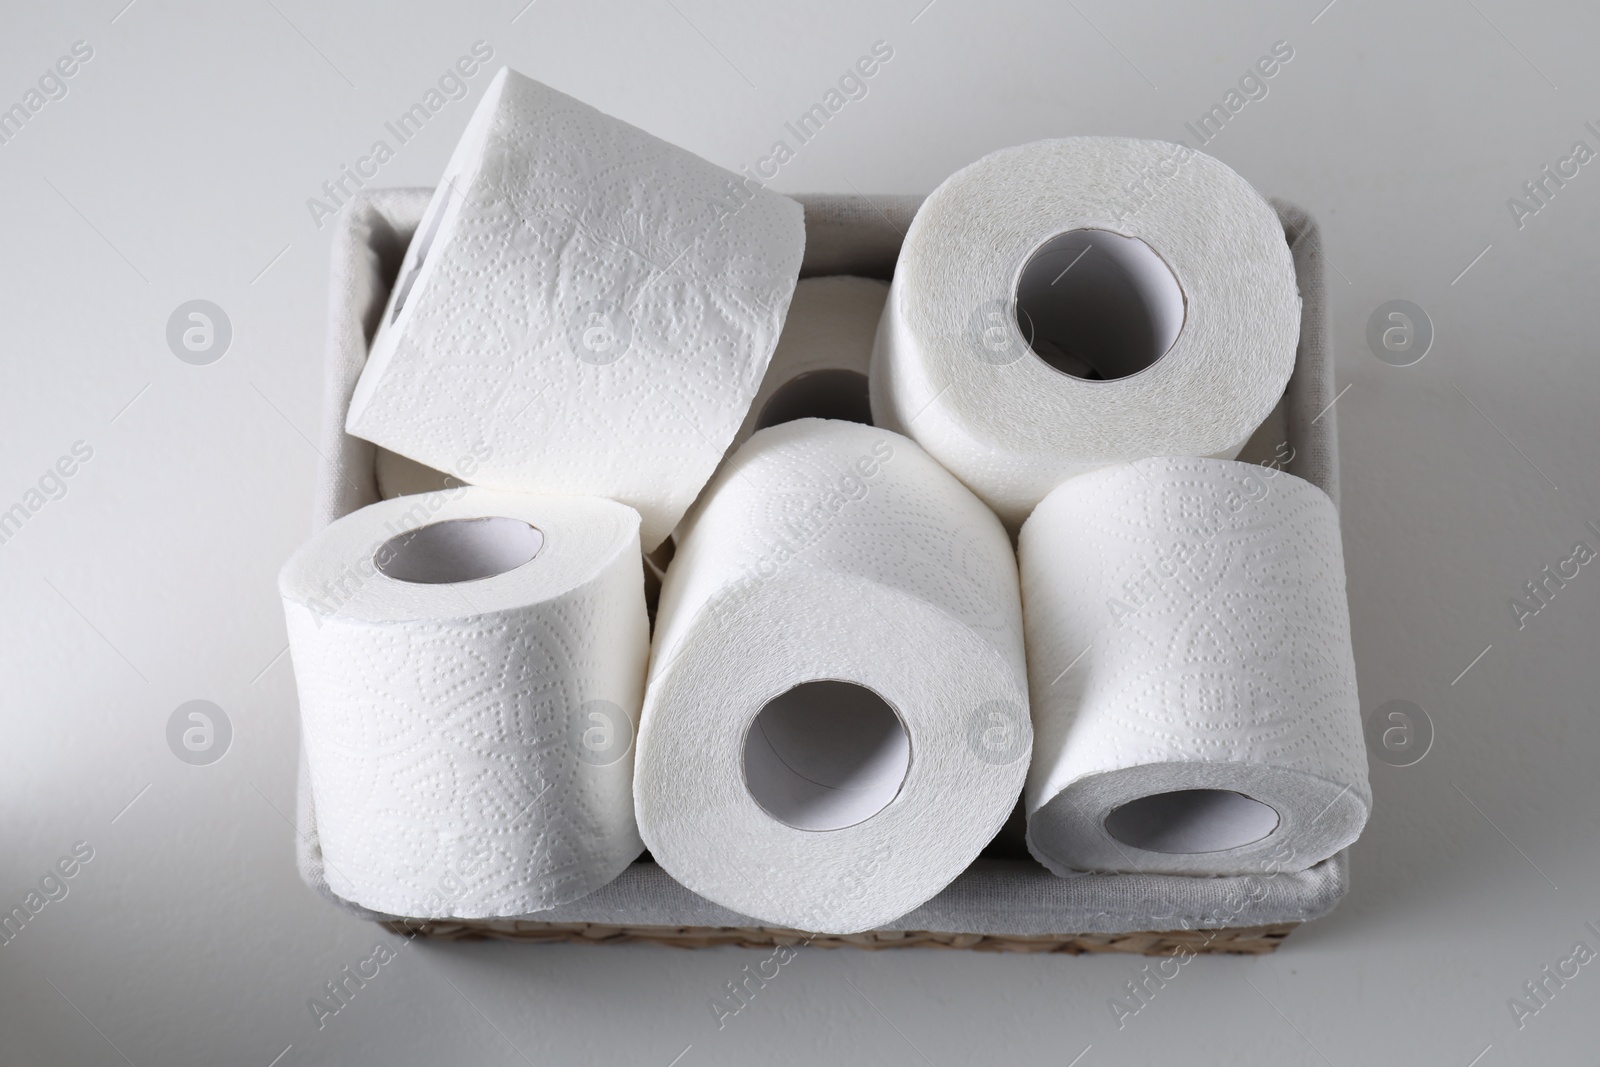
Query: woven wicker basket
(1005, 902)
(1238, 941)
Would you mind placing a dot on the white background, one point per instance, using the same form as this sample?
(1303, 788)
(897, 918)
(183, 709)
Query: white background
(179, 166)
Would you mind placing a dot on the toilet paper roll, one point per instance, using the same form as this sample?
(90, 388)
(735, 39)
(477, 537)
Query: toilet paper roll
(1194, 691)
(589, 308)
(471, 666)
(1069, 304)
(819, 369)
(835, 723)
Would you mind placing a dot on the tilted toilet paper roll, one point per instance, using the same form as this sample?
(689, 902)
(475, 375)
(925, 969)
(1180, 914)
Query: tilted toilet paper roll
(586, 309)
(835, 723)
(818, 370)
(1190, 667)
(1069, 304)
(470, 666)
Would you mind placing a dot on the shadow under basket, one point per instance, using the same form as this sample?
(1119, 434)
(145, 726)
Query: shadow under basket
(1005, 901)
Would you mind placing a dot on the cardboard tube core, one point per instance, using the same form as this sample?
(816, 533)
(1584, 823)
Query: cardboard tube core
(1097, 305)
(1192, 821)
(825, 755)
(458, 550)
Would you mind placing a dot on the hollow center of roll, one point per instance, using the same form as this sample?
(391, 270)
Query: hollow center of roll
(458, 550)
(825, 755)
(1097, 305)
(1192, 821)
(819, 394)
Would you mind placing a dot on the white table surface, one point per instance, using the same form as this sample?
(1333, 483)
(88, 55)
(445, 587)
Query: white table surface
(178, 167)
